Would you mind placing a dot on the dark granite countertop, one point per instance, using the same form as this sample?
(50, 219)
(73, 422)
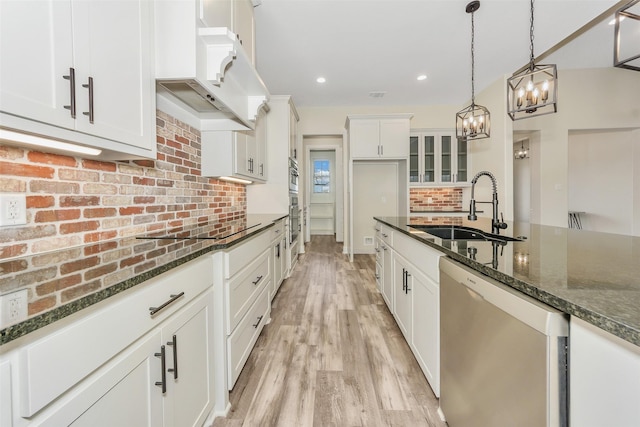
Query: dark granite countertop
(106, 268)
(590, 275)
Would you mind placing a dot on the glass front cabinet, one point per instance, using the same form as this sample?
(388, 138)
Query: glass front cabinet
(437, 157)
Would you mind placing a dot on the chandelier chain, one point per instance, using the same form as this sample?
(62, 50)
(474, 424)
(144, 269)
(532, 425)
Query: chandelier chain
(532, 59)
(473, 97)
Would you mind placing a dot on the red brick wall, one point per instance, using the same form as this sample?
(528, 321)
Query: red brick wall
(73, 201)
(435, 199)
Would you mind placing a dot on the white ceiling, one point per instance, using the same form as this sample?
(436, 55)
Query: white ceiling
(362, 46)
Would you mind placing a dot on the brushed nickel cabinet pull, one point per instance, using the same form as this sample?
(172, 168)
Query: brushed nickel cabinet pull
(90, 112)
(174, 343)
(163, 363)
(154, 310)
(72, 92)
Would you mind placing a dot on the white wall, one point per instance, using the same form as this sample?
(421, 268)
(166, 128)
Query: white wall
(331, 120)
(601, 179)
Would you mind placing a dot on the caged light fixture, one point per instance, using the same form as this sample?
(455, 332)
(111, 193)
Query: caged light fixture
(522, 152)
(474, 121)
(626, 49)
(533, 91)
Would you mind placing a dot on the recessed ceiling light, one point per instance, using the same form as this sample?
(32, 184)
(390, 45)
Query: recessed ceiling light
(422, 77)
(321, 80)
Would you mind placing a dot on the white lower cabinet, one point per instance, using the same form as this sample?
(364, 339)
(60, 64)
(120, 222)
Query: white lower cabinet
(426, 327)
(604, 378)
(188, 342)
(104, 366)
(279, 257)
(403, 296)
(244, 274)
(413, 296)
(124, 394)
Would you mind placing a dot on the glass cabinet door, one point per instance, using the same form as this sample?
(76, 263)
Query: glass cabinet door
(414, 167)
(445, 159)
(429, 159)
(461, 175)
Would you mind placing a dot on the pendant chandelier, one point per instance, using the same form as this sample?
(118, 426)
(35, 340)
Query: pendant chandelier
(626, 51)
(534, 90)
(474, 121)
(522, 152)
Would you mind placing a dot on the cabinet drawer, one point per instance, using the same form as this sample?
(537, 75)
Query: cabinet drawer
(419, 254)
(384, 233)
(277, 230)
(241, 342)
(86, 340)
(237, 259)
(245, 287)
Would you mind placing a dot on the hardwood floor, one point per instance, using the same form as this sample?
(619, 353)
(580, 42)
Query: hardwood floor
(332, 354)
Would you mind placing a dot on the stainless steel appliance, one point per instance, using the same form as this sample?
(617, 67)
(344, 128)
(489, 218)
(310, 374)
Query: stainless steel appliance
(294, 217)
(293, 175)
(503, 354)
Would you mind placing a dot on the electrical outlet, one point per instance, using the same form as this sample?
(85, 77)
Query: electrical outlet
(13, 209)
(13, 307)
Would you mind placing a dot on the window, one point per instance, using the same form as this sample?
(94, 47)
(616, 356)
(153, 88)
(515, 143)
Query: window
(321, 176)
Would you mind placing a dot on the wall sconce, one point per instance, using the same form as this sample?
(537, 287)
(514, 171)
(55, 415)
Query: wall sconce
(626, 40)
(474, 121)
(534, 90)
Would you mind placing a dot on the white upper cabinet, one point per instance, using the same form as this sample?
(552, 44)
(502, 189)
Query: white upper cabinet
(80, 71)
(240, 154)
(437, 157)
(375, 137)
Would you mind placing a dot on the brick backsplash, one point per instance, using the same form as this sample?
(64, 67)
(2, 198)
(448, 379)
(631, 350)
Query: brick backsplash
(435, 199)
(73, 201)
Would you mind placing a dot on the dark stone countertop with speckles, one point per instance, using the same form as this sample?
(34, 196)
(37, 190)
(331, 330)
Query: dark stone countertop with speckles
(100, 270)
(593, 276)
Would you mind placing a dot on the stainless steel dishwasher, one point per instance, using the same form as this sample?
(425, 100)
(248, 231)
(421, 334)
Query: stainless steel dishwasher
(503, 355)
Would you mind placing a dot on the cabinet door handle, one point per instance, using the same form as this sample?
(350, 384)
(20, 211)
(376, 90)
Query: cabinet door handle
(278, 250)
(174, 344)
(72, 91)
(154, 310)
(385, 235)
(90, 112)
(258, 322)
(163, 363)
(257, 280)
(404, 280)
(406, 288)
(382, 150)
(261, 169)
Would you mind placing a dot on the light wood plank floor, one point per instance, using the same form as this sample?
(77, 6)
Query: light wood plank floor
(332, 354)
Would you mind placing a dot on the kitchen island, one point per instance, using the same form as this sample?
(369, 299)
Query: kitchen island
(593, 276)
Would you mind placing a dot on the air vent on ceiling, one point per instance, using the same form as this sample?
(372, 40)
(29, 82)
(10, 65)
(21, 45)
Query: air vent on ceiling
(377, 94)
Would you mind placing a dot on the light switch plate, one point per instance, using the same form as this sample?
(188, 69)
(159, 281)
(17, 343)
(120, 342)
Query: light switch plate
(13, 209)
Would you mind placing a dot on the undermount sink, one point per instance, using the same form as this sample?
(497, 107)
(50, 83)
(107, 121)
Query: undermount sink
(457, 232)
